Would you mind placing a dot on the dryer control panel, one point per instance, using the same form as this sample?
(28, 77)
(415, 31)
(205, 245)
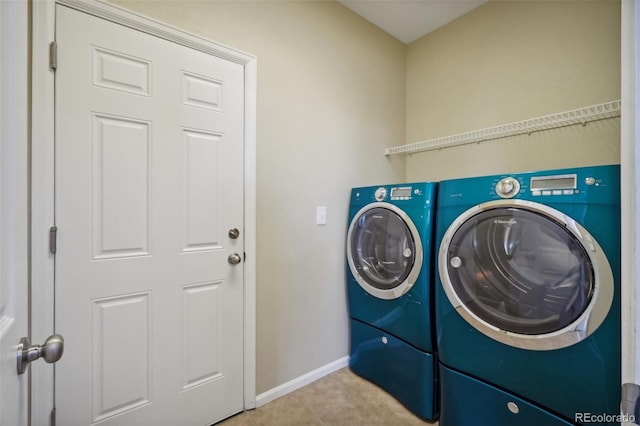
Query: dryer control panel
(509, 187)
(593, 184)
(556, 185)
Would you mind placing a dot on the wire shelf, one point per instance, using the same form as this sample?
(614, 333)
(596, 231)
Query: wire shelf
(568, 118)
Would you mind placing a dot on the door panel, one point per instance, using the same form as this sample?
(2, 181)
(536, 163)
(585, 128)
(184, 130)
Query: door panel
(149, 179)
(120, 185)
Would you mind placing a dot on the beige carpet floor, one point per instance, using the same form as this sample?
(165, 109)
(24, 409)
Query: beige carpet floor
(341, 398)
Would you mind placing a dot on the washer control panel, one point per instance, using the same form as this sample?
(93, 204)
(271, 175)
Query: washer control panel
(401, 193)
(507, 187)
(396, 193)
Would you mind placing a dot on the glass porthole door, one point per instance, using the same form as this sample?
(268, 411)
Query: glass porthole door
(525, 274)
(384, 250)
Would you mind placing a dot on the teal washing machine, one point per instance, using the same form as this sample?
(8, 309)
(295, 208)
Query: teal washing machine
(528, 298)
(390, 276)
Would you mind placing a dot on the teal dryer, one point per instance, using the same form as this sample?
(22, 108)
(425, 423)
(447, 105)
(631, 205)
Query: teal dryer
(528, 298)
(390, 276)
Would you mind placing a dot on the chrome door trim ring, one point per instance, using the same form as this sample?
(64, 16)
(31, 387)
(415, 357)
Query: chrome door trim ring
(406, 285)
(578, 330)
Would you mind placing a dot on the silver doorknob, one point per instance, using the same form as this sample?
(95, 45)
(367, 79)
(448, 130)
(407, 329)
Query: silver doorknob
(234, 258)
(51, 351)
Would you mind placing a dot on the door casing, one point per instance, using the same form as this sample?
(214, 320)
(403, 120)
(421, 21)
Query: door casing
(14, 248)
(42, 177)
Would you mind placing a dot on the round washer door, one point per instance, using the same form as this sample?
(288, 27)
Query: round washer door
(525, 274)
(384, 250)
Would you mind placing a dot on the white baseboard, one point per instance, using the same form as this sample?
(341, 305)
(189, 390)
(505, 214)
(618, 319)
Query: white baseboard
(301, 381)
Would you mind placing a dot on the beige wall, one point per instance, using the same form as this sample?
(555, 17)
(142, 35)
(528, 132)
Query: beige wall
(331, 97)
(508, 61)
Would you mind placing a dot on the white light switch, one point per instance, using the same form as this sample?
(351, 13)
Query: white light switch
(321, 215)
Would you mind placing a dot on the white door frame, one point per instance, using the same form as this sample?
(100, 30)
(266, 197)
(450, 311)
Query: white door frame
(630, 182)
(14, 197)
(42, 217)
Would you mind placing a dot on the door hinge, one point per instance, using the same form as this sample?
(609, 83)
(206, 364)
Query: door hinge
(53, 239)
(52, 417)
(53, 55)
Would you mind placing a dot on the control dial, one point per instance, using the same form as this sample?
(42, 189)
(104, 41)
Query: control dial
(508, 187)
(381, 193)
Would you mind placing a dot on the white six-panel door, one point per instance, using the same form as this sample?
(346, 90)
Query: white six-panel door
(149, 182)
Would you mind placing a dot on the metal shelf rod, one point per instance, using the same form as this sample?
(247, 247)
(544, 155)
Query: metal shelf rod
(568, 118)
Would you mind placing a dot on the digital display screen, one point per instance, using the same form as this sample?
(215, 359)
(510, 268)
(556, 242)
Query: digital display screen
(404, 191)
(553, 182)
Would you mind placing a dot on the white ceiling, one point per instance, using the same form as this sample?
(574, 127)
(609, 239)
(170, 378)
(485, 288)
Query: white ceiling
(408, 20)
